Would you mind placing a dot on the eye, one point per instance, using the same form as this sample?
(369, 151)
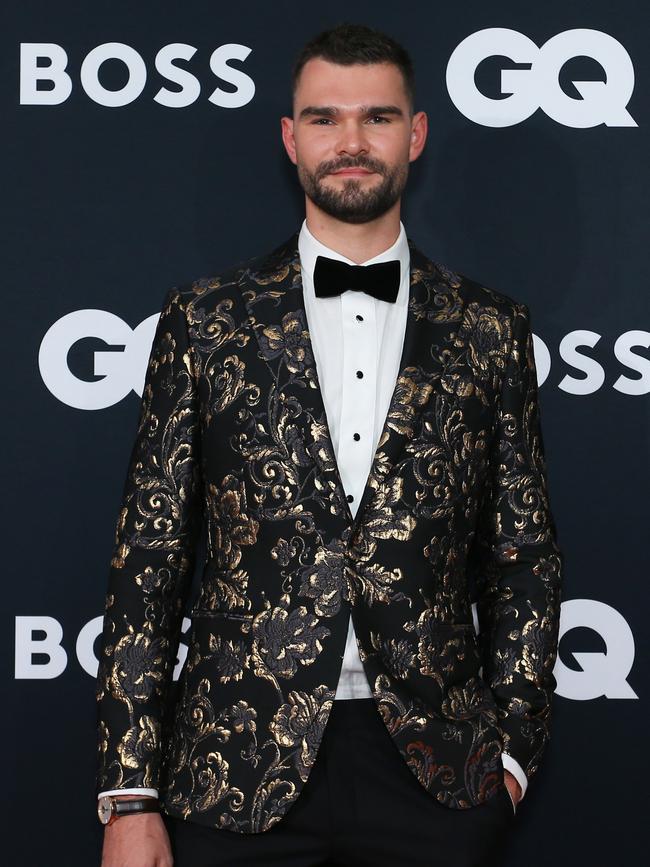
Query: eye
(380, 117)
(321, 120)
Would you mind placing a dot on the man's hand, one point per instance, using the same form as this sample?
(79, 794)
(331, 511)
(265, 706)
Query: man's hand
(513, 787)
(140, 840)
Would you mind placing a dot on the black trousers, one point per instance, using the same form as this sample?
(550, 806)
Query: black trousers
(360, 807)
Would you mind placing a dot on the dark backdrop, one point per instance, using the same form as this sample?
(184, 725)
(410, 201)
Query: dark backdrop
(541, 194)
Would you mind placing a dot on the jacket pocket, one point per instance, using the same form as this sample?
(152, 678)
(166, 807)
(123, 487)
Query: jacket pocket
(218, 612)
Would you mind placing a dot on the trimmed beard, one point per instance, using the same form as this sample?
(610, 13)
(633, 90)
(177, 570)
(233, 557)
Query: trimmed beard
(352, 204)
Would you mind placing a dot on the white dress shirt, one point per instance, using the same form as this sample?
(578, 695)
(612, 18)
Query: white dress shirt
(349, 333)
(355, 332)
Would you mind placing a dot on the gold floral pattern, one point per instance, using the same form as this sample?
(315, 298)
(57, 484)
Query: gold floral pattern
(233, 434)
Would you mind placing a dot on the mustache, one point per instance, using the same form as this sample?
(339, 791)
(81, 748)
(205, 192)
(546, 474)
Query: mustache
(350, 163)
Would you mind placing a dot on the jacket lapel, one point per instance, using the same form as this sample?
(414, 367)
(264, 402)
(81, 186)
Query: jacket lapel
(273, 293)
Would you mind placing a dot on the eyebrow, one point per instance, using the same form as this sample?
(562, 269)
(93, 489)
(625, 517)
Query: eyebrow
(332, 111)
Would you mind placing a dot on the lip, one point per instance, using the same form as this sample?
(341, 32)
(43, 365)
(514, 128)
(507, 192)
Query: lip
(353, 172)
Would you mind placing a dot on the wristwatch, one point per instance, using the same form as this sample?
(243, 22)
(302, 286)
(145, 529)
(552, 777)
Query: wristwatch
(110, 807)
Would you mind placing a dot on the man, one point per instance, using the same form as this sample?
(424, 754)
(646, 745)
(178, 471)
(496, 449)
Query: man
(359, 428)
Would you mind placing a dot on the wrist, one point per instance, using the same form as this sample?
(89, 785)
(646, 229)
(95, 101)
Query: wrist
(112, 807)
(512, 784)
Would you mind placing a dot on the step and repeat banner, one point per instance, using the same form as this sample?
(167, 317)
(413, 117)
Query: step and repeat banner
(141, 150)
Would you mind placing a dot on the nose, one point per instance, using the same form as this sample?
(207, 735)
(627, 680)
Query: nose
(352, 139)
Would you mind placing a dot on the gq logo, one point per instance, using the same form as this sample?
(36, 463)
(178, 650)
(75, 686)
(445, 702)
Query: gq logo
(602, 673)
(122, 369)
(526, 90)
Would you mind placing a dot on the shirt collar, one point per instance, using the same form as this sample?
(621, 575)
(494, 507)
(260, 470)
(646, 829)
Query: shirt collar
(310, 247)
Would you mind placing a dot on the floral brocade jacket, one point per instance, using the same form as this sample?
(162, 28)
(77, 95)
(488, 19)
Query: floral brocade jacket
(233, 438)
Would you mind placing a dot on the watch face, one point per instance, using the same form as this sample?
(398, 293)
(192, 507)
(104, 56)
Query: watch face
(104, 809)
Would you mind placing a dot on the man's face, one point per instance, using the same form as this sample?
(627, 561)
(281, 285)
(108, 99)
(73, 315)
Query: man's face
(352, 137)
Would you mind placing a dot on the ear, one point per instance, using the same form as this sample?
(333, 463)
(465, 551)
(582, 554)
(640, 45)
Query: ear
(419, 127)
(286, 126)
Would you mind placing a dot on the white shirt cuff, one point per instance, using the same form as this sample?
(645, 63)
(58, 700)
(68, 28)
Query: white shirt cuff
(151, 792)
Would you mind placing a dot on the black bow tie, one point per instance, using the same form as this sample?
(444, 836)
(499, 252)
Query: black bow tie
(332, 277)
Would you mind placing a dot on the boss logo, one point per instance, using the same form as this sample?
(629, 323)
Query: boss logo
(538, 86)
(48, 62)
(594, 373)
(40, 654)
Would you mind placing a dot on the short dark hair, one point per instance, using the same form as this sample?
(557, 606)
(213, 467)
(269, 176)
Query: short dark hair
(356, 43)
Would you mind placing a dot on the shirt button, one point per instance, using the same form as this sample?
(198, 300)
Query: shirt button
(357, 436)
(359, 374)
(359, 317)
(350, 498)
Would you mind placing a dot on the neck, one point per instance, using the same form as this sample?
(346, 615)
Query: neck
(356, 241)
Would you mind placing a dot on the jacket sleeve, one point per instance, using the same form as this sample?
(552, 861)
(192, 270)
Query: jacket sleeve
(152, 562)
(519, 562)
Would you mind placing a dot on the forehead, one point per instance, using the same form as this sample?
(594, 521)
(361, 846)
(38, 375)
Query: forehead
(324, 83)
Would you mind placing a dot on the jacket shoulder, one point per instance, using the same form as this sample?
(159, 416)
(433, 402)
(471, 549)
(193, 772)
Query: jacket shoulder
(487, 296)
(204, 291)
(471, 290)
